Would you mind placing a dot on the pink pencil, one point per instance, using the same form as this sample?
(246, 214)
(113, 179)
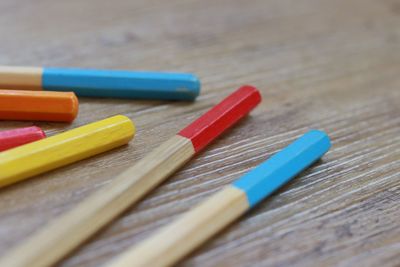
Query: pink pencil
(21, 136)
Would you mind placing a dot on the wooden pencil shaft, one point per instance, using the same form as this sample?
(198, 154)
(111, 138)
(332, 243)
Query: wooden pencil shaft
(179, 238)
(71, 229)
(21, 78)
(192, 229)
(66, 232)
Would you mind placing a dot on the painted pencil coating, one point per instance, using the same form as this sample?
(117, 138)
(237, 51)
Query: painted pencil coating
(38, 157)
(38, 106)
(17, 137)
(283, 166)
(123, 84)
(222, 116)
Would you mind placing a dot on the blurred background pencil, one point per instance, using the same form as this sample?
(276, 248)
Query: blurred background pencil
(17, 137)
(38, 106)
(102, 83)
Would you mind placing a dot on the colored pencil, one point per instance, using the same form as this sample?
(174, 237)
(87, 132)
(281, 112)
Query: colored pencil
(65, 233)
(181, 237)
(38, 106)
(21, 136)
(38, 157)
(103, 83)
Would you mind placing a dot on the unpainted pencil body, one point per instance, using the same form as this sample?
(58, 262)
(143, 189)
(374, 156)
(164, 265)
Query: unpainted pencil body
(178, 239)
(65, 233)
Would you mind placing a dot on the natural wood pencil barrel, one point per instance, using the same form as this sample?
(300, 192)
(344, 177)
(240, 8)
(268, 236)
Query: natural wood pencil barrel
(75, 226)
(178, 239)
(192, 229)
(65, 233)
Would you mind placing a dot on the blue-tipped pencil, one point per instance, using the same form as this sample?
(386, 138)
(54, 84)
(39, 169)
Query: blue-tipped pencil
(103, 83)
(196, 226)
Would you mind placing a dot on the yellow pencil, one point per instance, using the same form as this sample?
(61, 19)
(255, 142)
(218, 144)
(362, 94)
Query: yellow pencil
(38, 157)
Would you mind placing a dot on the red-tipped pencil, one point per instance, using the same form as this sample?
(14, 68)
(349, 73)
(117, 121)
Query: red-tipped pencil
(21, 136)
(65, 233)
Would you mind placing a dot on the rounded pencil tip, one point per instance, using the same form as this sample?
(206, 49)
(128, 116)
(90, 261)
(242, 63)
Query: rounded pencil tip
(321, 136)
(252, 92)
(75, 106)
(195, 86)
(39, 131)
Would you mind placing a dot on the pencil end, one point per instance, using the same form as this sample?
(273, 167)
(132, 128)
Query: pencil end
(222, 116)
(283, 166)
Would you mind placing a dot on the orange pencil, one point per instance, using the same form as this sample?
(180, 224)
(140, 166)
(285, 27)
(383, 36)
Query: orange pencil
(38, 106)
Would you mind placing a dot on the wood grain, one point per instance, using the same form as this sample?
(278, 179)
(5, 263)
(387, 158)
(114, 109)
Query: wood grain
(330, 65)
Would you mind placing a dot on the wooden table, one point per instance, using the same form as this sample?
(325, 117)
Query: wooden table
(330, 65)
